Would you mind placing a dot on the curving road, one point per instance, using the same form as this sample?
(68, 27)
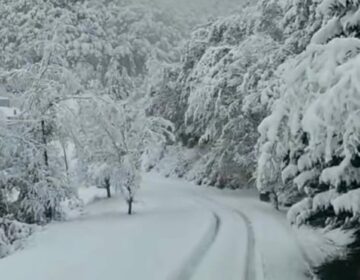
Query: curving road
(179, 232)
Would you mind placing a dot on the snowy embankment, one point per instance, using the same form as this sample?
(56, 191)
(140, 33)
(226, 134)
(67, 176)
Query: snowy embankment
(179, 231)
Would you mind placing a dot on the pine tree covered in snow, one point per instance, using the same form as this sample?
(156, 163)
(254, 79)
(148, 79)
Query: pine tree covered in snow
(309, 144)
(311, 135)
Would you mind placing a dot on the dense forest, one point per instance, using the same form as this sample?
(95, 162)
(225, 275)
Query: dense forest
(266, 96)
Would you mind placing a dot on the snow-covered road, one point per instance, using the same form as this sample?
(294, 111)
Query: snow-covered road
(179, 232)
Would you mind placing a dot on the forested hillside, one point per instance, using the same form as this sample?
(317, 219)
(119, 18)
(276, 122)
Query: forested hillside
(227, 83)
(262, 94)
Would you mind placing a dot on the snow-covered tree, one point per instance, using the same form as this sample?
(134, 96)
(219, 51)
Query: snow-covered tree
(114, 135)
(129, 180)
(310, 141)
(44, 84)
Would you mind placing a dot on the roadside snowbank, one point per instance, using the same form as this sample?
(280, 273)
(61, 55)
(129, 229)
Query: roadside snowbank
(13, 235)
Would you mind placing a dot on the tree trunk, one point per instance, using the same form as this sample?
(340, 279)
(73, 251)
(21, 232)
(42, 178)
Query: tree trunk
(130, 202)
(46, 157)
(107, 187)
(108, 191)
(65, 158)
(48, 210)
(49, 213)
(275, 200)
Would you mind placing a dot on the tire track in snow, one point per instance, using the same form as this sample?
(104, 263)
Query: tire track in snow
(250, 266)
(189, 267)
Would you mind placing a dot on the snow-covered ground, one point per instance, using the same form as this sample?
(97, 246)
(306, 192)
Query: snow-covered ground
(179, 231)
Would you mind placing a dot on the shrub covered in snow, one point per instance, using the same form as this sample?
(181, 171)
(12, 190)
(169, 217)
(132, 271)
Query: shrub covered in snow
(12, 235)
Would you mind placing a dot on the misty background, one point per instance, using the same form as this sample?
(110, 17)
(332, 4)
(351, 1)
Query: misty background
(197, 11)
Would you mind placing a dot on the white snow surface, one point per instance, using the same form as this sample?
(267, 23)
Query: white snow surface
(179, 231)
